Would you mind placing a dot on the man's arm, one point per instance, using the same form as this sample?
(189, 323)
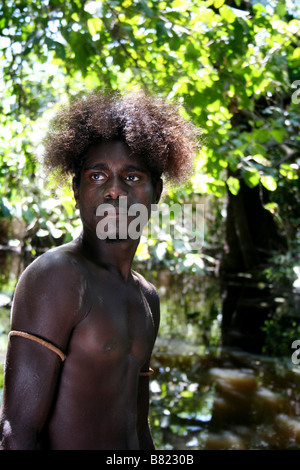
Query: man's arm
(144, 433)
(143, 428)
(45, 305)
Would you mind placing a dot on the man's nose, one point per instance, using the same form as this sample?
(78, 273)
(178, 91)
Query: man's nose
(114, 188)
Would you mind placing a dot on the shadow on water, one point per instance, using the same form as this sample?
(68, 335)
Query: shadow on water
(215, 385)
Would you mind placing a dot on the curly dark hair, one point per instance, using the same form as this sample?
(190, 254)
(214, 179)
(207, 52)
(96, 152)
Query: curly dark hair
(152, 128)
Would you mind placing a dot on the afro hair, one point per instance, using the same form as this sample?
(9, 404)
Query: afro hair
(151, 126)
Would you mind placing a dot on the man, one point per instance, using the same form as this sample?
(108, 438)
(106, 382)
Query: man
(83, 324)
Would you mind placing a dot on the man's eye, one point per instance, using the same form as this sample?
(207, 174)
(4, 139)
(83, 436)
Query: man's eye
(97, 176)
(132, 178)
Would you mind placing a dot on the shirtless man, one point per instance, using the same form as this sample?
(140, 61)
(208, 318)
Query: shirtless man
(86, 384)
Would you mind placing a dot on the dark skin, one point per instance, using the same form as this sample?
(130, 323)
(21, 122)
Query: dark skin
(84, 298)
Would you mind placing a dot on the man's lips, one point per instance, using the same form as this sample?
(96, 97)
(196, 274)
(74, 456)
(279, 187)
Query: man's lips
(110, 209)
(114, 209)
(113, 214)
(116, 214)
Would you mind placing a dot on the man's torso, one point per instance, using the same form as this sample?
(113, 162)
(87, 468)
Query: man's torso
(96, 402)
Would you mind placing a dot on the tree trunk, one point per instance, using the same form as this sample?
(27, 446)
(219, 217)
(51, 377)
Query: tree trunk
(251, 232)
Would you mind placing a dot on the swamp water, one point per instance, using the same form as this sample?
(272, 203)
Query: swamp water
(205, 394)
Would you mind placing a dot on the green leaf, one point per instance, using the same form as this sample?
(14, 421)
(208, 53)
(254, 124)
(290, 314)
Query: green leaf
(233, 185)
(145, 8)
(261, 160)
(228, 15)
(5, 208)
(280, 10)
(269, 182)
(278, 135)
(218, 3)
(94, 25)
(296, 53)
(251, 177)
(57, 46)
(187, 394)
(288, 172)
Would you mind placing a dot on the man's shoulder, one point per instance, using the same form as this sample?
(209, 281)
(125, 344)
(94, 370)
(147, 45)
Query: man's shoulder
(151, 294)
(147, 287)
(59, 263)
(50, 295)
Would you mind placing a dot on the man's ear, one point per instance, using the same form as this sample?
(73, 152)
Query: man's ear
(76, 191)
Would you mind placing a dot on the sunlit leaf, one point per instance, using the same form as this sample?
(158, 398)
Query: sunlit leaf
(251, 177)
(187, 394)
(261, 160)
(218, 3)
(94, 25)
(269, 182)
(233, 185)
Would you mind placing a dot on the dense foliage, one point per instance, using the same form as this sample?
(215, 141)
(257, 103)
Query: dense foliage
(234, 65)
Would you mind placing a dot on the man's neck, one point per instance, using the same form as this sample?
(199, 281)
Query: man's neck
(114, 255)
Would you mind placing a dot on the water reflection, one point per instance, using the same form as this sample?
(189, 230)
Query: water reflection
(209, 396)
(204, 394)
(225, 400)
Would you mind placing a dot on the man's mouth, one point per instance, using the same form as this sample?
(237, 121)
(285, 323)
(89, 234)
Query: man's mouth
(110, 210)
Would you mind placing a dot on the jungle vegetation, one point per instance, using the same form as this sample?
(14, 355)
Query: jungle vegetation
(234, 65)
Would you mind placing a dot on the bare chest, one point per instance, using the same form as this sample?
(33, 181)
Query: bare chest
(119, 324)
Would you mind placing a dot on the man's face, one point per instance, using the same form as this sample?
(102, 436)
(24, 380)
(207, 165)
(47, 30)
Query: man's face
(110, 175)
